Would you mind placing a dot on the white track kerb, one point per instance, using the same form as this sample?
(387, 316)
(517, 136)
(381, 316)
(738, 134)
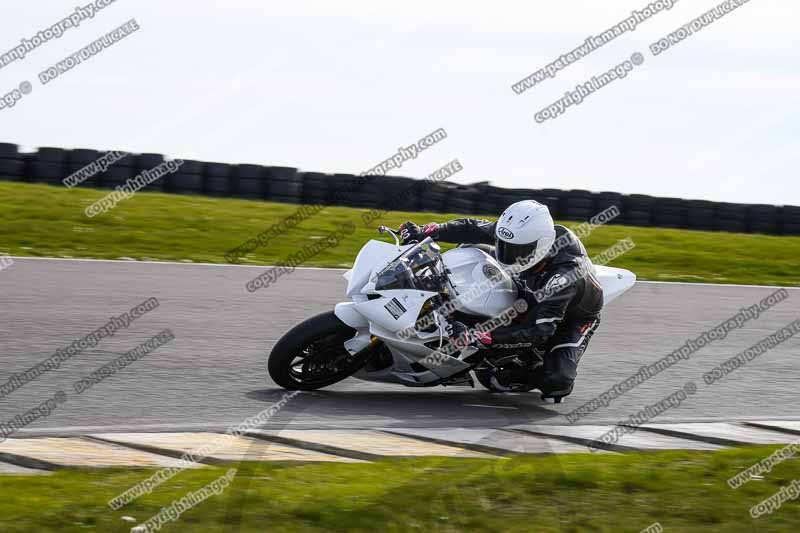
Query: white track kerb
(195, 456)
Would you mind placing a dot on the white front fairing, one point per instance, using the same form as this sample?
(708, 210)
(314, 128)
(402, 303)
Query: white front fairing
(386, 313)
(372, 258)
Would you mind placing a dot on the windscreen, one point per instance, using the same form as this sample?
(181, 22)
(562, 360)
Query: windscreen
(418, 267)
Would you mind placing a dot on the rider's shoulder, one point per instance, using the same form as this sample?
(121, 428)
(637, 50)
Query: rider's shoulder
(561, 230)
(567, 245)
(565, 235)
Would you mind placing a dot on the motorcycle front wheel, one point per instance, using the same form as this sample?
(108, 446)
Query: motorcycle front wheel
(312, 354)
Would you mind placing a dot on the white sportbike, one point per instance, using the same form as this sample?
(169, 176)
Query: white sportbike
(396, 325)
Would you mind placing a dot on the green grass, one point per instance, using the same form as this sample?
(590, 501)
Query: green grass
(40, 220)
(683, 491)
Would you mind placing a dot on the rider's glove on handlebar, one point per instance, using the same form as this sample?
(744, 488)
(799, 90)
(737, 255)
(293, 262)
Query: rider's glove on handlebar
(461, 336)
(484, 337)
(431, 229)
(410, 232)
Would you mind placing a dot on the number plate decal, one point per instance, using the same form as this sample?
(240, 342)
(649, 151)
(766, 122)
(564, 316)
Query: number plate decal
(395, 308)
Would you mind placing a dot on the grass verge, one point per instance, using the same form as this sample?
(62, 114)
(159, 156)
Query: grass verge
(683, 491)
(46, 221)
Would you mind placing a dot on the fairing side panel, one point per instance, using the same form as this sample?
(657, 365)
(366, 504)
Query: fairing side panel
(470, 269)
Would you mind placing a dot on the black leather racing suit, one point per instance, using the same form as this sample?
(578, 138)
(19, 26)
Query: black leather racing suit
(558, 325)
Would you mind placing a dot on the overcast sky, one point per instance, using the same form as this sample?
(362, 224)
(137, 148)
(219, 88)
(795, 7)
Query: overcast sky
(339, 86)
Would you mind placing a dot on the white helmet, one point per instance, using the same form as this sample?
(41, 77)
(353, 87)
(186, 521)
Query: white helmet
(524, 234)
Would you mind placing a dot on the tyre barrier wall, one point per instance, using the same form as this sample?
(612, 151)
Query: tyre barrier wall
(288, 185)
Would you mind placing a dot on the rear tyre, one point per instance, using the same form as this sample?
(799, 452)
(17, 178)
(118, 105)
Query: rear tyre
(312, 354)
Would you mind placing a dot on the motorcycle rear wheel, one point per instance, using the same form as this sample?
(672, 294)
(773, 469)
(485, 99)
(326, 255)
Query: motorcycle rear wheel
(312, 354)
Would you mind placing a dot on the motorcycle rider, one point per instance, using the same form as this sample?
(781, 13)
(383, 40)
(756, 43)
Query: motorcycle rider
(554, 275)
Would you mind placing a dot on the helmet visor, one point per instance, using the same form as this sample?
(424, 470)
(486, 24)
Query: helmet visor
(508, 253)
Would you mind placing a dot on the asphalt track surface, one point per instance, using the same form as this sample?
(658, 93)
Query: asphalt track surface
(213, 374)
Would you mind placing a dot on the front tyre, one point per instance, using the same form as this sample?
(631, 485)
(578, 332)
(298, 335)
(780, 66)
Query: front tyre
(312, 354)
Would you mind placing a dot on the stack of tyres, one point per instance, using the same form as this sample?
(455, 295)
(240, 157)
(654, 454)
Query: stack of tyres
(669, 213)
(638, 209)
(189, 179)
(284, 185)
(699, 214)
(462, 199)
(48, 165)
(730, 217)
(505, 197)
(219, 179)
(342, 187)
(12, 163)
(432, 198)
(790, 220)
(359, 191)
(118, 173)
(400, 194)
(316, 186)
(552, 198)
(577, 205)
(607, 200)
(537, 195)
(491, 200)
(144, 162)
(367, 191)
(78, 159)
(250, 181)
(397, 193)
(762, 219)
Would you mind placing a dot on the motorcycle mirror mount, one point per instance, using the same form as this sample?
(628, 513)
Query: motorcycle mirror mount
(384, 229)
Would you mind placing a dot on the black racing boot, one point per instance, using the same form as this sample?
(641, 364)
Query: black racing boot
(558, 375)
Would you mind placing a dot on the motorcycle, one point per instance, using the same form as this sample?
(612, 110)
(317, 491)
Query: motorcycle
(404, 301)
